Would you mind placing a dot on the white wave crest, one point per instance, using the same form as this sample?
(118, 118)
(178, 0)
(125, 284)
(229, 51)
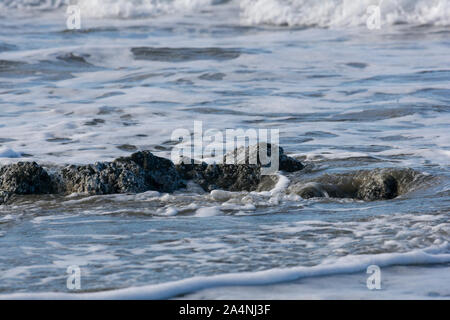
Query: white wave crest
(32, 4)
(324, 13)
(138, 8)
(341, 13)
(110, 8)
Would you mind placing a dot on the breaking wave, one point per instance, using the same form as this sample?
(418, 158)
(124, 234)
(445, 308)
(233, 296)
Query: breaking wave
(325, 13)
(340, 13)
(112, 8)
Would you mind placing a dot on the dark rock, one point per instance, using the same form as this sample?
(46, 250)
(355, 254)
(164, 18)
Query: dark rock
(377, 187)
(4, 196)
(221, 176)
(244, 175)
(252, 155)
(228, 177)
(311, 190)
(368, 185)
(103, 178)
(321, 190)
(159, 172)
(140, 172)
(289, 164)
(25, 178)
(143, 171)
(190, 170)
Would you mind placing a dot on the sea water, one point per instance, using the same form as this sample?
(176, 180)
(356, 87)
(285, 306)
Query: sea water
(344, 97)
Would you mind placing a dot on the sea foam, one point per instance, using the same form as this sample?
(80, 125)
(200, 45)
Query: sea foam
(325, 13)
(340, 13)
(345, 265)
(111, 8)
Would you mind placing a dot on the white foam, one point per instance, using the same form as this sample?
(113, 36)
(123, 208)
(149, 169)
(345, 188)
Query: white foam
(207, 212)
(345, 265)
(111, 8)
(281, 185)
(167, 212)
(221, 195)
(339, 13)
(324, 13)
(138, 8)
(398, 282)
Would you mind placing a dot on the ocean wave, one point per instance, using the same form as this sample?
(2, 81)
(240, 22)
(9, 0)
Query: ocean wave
(33, 4)
(341, 13)
(112, 8)
(325, 13)
(345, 265)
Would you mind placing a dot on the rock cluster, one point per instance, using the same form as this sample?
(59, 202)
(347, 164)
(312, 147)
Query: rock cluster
(143, 171)
(140, 172)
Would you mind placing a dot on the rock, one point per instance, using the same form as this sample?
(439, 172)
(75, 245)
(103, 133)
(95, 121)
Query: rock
(143, 171)
(377, 187)
(4, 196)
(312, 190)
(140, 172)
(367, 185)
(231, 177)
(243, 175)
(159, 172)
(251, 155)
(103, 178)
(267, 183)
(228, 177)
(289, 164)
(25, 178)
(320, 190)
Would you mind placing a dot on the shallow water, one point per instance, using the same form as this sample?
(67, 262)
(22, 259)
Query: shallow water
(344, 98)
